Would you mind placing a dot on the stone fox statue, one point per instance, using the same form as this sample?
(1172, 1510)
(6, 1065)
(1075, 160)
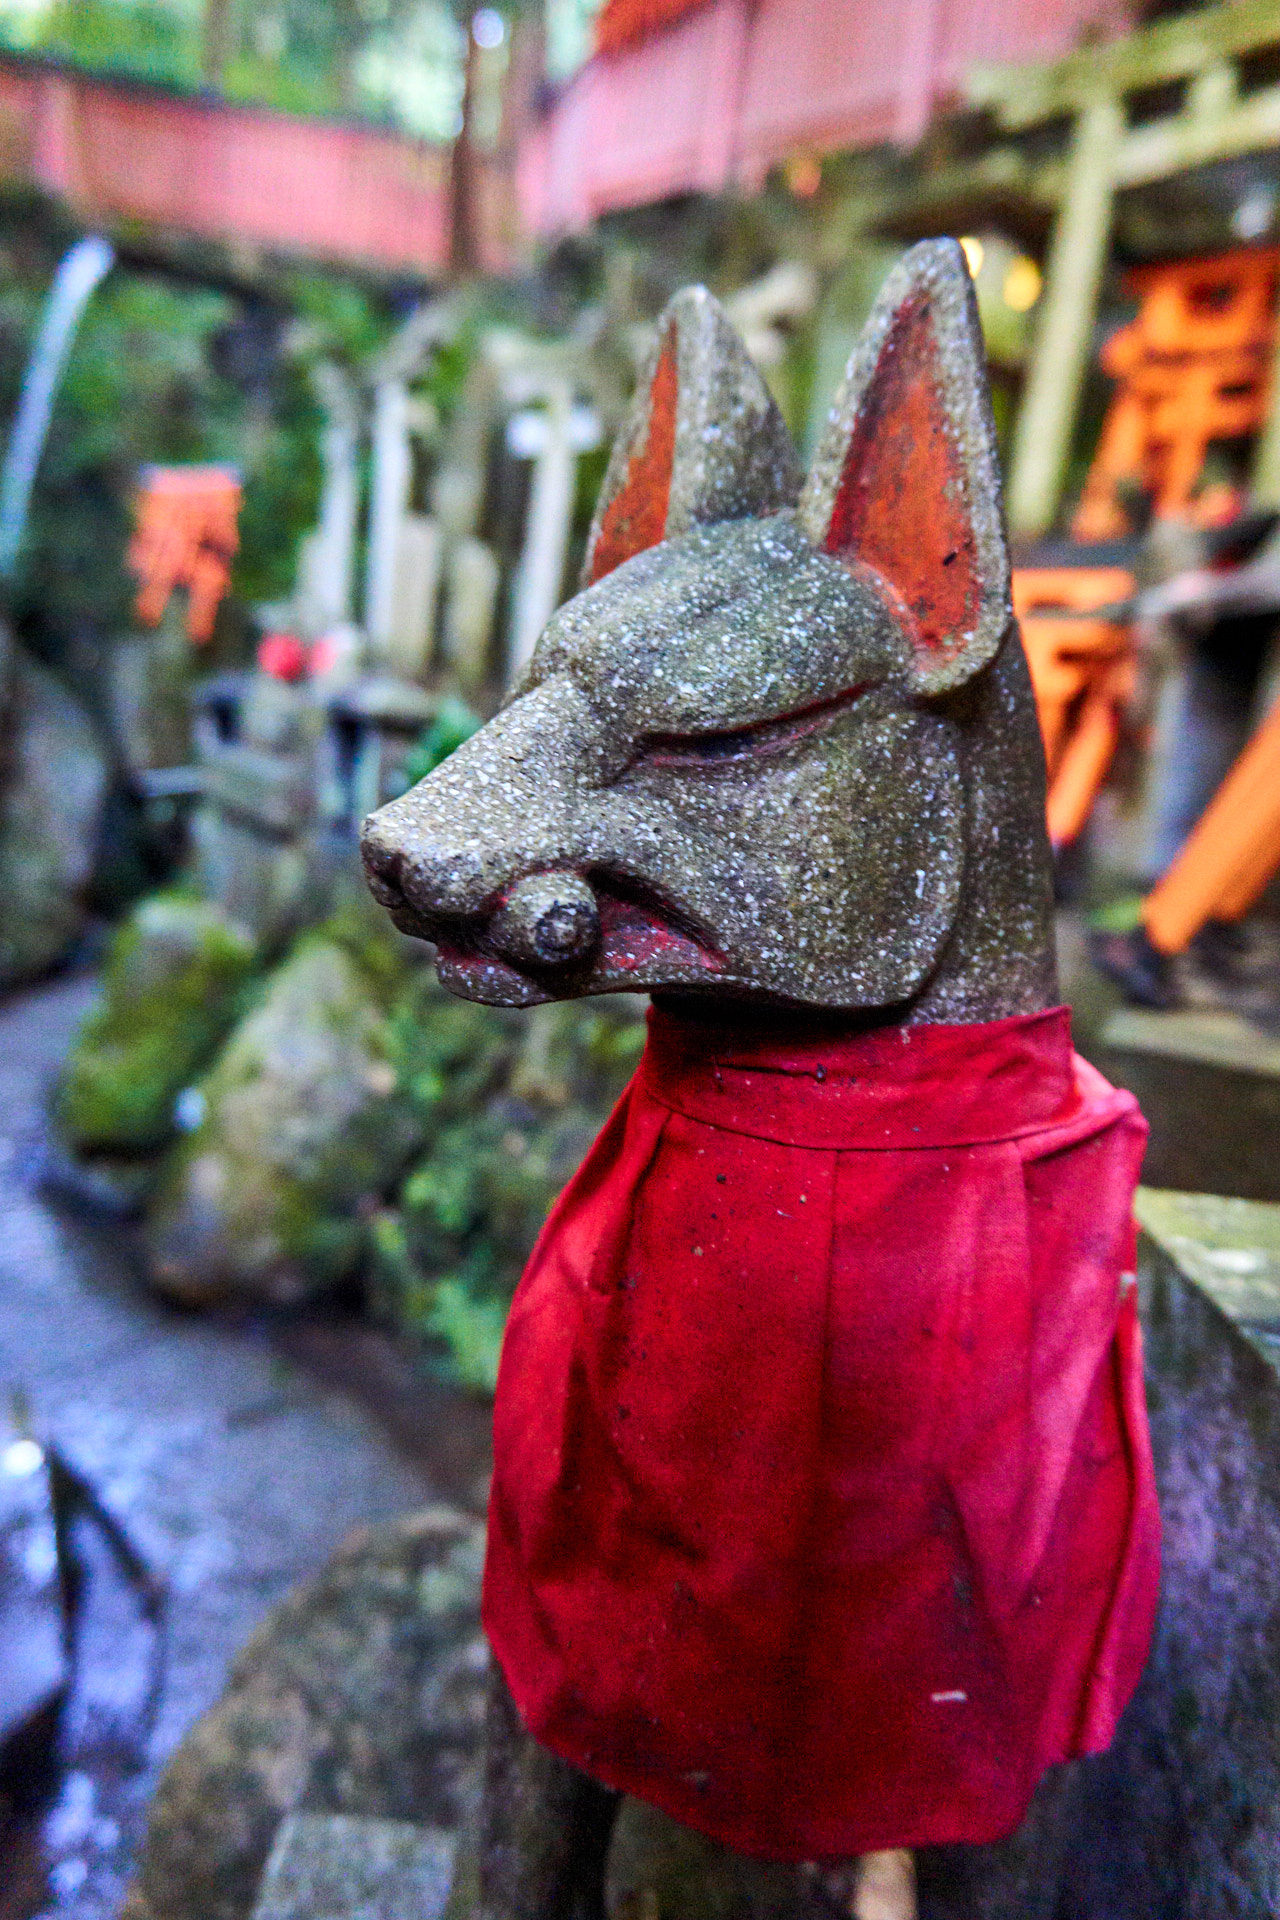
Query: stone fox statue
(822, 1514)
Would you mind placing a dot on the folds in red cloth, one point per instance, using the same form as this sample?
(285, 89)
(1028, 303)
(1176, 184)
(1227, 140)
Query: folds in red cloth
(823, 1513)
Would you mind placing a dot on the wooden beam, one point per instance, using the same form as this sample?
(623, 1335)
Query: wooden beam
(1188, 139)
(1046, 419)
(1176, 49)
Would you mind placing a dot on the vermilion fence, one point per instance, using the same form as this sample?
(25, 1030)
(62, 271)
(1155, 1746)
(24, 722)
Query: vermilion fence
(332, 190)
(722, 92)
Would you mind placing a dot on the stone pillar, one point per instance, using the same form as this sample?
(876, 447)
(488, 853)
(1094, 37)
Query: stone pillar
(472, 597)
(411, 632)
(1076, 258)
(335, 535)
(546, 538)
(388, 503)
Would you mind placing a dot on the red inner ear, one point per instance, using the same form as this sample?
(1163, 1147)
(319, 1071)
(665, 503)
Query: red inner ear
(902, 505)
(636, 517)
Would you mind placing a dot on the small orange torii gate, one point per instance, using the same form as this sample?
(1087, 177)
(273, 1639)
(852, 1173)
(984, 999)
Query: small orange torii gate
(1083, 671)
(1193, 370)
(186, 536)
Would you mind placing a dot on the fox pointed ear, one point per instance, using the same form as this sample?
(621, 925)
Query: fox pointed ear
(906, 479)
(703, 441)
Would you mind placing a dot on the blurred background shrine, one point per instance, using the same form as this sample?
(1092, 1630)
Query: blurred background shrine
(317, 318)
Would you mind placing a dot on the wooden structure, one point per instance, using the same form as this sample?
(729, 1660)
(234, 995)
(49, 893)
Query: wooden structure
(1192, 370)
(186, 537)
(624, 23)
(1201, 87)
(125, 155)
(705, 98)
(1232, 853)
(1082, 668)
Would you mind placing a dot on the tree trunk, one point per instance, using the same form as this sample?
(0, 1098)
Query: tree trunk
(218, 40)
(464, 249)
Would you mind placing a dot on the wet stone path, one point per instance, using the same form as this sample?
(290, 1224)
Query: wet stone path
(231, 1470)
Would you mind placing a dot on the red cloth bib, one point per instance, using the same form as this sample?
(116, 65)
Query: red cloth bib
(823, 1513)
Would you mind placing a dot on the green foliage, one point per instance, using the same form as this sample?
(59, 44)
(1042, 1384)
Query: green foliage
(144, 40)
(347, 322)
(146, 382)
(398, 60)
(454, 723)
(508, 1104)
(174, 984)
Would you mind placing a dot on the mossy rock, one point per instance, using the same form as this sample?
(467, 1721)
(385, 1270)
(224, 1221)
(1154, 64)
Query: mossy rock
(55, 783)
(507, 1123)
(362, 1693)
(173, 986)
(304, 1124)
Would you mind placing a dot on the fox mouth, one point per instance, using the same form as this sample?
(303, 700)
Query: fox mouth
(642, 939)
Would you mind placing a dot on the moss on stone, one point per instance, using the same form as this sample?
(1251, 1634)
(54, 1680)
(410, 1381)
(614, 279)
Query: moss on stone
(509, 1104)
(304, 1123)
(175, 981)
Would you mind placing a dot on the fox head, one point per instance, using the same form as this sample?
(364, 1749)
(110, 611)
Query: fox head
(782, 743)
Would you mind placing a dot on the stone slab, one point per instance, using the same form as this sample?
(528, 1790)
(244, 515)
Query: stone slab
(1182, 1816)
(1227, 1246)
(1203, 1036)
(337, 1867)
(1209, 1085)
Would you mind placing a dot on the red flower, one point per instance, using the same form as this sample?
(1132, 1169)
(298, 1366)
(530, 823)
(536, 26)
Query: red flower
(283, 656)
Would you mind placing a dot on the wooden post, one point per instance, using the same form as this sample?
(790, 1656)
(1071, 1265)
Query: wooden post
(1076, 258)
(546, 542)
(388, 502)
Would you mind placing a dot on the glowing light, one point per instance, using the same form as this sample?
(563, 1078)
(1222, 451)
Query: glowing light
(488, 28)
(22, 1458)
(804, 175)
(974, 252)
(1022, 284)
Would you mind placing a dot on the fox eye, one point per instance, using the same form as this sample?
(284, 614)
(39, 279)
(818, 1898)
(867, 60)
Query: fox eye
(740, 743)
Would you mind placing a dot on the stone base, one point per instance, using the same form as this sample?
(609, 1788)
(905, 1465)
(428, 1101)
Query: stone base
(335, 1867)
(1183, 1815)
(1209, 1084)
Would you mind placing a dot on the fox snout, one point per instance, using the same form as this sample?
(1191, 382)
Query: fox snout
(549, 919)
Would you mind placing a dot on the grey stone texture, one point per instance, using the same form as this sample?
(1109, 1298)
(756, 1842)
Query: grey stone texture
(53, 784)
(336, 1867)
(1209, 1083)
(361, 1694)
(253, 837)
(149, 694)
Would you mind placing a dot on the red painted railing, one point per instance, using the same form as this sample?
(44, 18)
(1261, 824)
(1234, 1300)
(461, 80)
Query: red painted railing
(330, 190)
(717, 96)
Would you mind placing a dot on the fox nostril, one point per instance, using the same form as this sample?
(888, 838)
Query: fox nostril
(548, 920)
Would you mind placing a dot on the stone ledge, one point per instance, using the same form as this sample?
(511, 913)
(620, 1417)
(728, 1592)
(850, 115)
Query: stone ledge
(1209, 1085)
(338, 1867)
(1229, 1248)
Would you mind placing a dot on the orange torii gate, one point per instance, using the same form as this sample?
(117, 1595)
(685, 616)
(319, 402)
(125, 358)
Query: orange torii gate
(1233, 851)
(1080, 653)
(187, 537)
(1193, 369)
